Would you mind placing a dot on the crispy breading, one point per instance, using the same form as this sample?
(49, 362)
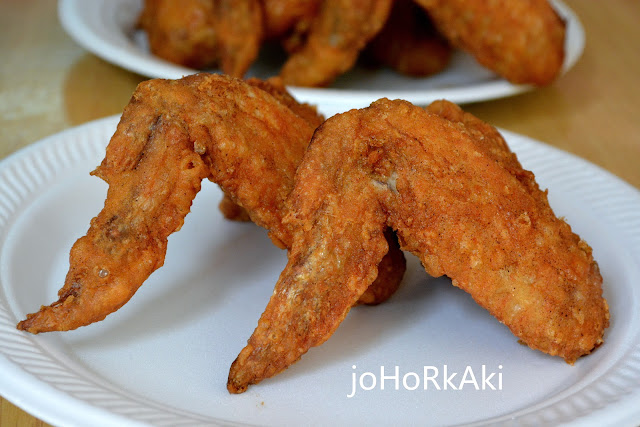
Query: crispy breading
(181, 32)
(245, 137)
(458, 199)
(205, 33)
(171, 136)
(521, 40)
(337, 35)
(239, 25)
(281, 17)
(408, 43)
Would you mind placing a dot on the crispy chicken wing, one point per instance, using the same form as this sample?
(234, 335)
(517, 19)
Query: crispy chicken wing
(521, 40)
(181, 32)
(337, 35)
(409, 43)
(248, 138)
(281, 17)
(239, 25)
(205, 33)
(458, 199)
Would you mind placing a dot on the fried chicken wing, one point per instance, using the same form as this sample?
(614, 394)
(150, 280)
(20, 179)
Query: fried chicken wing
(239, 25)
(181, 32)
(274, 87)
(281, 17)
(172, 135)
(458, 199)
(231, 211)
(205, 33)
(521, 40)
(337, 35)
(409, 43)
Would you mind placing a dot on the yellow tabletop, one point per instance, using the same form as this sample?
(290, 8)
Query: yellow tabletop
(48, 83)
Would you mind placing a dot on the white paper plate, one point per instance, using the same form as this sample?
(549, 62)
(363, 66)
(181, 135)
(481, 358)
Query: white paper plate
(107, 28)
(163, 358)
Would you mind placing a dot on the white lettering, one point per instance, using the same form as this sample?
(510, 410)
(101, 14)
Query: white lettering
(431, 374)
(486, 380)
(447, 379)
(353, 384)
(416, 381)
(468, 372)
(373, 381)
(395, 377)
(432, 378)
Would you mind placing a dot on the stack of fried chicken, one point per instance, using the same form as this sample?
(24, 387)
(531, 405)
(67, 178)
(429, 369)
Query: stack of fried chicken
(520, 40)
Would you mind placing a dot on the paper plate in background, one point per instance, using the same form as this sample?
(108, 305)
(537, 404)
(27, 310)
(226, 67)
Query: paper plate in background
(107, 29)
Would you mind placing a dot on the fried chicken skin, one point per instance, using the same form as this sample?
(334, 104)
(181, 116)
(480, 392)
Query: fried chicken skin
(521, 40)
(337, 35)
(172, 135)
(284, 17)
(232, 211)
(275, 88)
(408, 43)
(205, 33)
(181, 32)
(240, 31)
(458, 199)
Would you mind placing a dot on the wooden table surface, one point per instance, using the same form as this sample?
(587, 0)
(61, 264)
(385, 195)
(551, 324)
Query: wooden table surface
(48, 83)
